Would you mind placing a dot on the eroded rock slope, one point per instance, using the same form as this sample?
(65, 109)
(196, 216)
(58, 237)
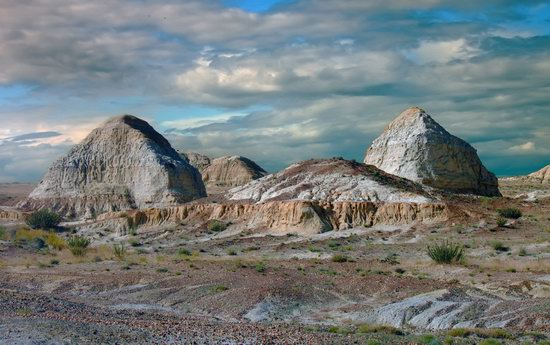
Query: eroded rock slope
(123, 164)
(416, 147)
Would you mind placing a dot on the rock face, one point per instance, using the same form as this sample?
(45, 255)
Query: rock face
(331, 180)
(197, 160)
(542, 175)
(122, 165)
(416, 147)
(226, 171)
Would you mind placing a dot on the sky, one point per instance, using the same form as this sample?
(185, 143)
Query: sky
(275, 81)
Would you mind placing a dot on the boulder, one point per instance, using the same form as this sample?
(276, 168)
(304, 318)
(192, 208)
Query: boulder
(414, 146)
(123, 164)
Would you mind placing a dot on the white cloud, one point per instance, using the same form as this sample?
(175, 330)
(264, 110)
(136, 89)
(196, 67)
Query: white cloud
(442, 51)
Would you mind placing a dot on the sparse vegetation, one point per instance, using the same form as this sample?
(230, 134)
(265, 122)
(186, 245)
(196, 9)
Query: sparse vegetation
(510, 212)
(3, 233)
(184, 252)
(260, 267)
(119, 250)
(216, 225)
(499, 246)
(78, 245)
(231, 252)
(446, 252)
(368, 328)
(339, 258)
(219, 288)
(501, 221)
(43, 219)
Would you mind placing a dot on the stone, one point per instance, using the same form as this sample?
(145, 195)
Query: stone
(542, 175)
(414, 146)
(123, 164)
(331, 180)
(226, 171)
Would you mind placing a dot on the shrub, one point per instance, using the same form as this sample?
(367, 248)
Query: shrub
(490, 342)
(162, 270)
(501, 221)
(499, 246)
(446, 252)
(522, 252)
(43, 219)
(260, 267)
(219, 288)
(3, 234)
(509, 212)
(368, 328)
(55, 241)
(78, 245)
(184, 252)
(459, 332)
(120, 250)
(339, 258)
(216, 225)
(231, 252)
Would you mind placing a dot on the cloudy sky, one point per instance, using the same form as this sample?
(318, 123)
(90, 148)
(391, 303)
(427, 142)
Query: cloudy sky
(274, 80)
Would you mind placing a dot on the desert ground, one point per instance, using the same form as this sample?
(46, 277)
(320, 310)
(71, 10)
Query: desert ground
(365, 285)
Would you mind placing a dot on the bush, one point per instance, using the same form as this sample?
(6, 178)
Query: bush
(509, 212)
(490, 341)
(231, 252)
(55, 241)
(184, 252)
(78, 245)
(219, 288)
(3, 234)
(43, 219)
(499, 246)
(260, 267)
(368, 328)
(501, 221)
(446, 252)
(120, 250)
(216, 225)
(339, 258)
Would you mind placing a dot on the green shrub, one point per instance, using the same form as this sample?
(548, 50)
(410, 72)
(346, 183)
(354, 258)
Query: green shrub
(231, 252)
(120, 250)
(368, 328)
(459, 332)
(501, 221)
(216, 225)
(78, 245)
(509, 212)
(499, 246)
(522, 252)
(339, 258)
(43, 219)
(162, 270)
(446, 252)
(260, 267)
(490, 341)
(219, 288)
(184, 252)
(3, 234)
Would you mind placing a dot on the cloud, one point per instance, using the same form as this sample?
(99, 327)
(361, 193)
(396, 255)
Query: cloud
(330, 73)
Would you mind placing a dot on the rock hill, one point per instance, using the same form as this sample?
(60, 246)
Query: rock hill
(121, 165)
(416, 147)
(333, 179)
(542, 175)
(226, 171)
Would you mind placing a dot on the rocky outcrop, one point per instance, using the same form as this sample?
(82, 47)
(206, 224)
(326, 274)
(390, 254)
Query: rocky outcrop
(226, 171)
(542, 175)
(331, 180)
(197, 160)
(300, 216)
(122, 165)
(416, 147)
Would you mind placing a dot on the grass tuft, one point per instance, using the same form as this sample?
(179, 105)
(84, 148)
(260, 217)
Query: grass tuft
(446, 252)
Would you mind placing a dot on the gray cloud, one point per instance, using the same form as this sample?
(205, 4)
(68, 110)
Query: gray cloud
(332, 74)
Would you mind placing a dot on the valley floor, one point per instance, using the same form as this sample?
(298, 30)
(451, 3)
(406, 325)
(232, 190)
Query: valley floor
(186, 285)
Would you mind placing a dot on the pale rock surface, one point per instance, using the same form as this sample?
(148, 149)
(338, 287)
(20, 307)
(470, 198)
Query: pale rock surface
(226, 171)
(416, 147)
(197, 160)
(331, 180)
(123, 164)
(542, 175)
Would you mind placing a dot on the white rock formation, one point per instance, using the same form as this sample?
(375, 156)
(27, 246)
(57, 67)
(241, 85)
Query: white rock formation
(416, 147)
(122, 165)
(542, 175)
(226, 171)
(331, 180)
